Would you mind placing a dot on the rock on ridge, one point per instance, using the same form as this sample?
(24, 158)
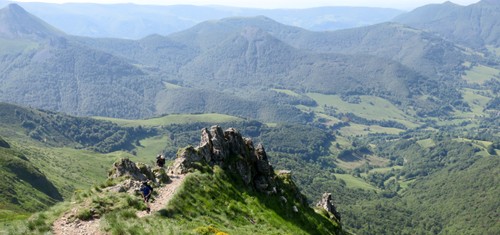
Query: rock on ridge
(135, 173)
(230, 150)
(326, 203)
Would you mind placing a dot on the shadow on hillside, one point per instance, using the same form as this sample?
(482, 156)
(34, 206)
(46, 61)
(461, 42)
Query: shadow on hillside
(35, 178)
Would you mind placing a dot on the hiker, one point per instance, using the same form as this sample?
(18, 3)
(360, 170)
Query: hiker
(160, 160)
(146, 191)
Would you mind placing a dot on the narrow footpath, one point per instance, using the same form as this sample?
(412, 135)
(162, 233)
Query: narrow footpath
(65, 226)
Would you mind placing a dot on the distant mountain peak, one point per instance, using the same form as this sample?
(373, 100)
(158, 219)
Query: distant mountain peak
(489, 2)
(17, 23)
(15, 8)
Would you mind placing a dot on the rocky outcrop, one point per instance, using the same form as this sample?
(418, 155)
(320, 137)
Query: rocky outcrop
(135, 173)
(326, 204)
(230, 150)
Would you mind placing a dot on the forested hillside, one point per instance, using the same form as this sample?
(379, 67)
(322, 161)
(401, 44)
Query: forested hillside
(475, 25)
(221, 61)
(38, 61)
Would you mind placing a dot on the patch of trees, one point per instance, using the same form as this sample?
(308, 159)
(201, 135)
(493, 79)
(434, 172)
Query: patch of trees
(307, 141)
(101, 136)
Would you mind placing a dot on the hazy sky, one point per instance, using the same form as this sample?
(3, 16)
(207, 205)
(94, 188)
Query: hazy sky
(399, 4)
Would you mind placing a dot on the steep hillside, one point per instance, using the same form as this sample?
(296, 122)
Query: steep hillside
(422, 51)
(255, 58)
(24, 187)
(414, 48)
(43, 69)
(45, 156)
(16, 23)
(476, 25)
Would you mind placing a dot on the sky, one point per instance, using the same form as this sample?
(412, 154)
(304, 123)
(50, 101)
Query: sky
(269, 4)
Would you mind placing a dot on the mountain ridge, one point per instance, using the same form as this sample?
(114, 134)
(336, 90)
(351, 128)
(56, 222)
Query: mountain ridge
(476, 25)
(143, 20)
(14, 22)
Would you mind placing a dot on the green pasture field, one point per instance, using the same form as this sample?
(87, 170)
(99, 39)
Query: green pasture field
(477, 103)
(287, 92)
(71, 169)
(385, 169)
(426, 143)
(171, 86)
(370, 107)
(480, 74)
(362, 130)
(173, 119)
(353, 182)
(151, 147)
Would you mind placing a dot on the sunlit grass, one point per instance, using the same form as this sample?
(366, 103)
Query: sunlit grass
(370, 107)
(150, 147)
(174, 119)
(426, 143)
(385, 169)
(171, 86)
(354, 182)
(480, 74)
(287, 92)
(70, 169)
(476, 101)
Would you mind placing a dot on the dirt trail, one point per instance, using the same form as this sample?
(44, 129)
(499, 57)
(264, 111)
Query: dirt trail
(165, 193)
(67, 226)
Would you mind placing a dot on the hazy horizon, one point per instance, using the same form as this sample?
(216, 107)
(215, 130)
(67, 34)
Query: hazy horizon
(397, 4)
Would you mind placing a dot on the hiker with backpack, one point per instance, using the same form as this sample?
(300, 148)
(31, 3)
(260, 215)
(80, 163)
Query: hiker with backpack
(160, 160)
(146, 191)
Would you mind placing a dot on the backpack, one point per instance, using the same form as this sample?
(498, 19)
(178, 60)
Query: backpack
(146, 189)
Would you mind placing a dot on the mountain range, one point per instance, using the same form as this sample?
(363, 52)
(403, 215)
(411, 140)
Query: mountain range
(397, 120)
(226, 57)
(133, 21)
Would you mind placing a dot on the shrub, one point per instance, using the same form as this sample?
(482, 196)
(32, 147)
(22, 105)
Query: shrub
(206, 230)
(84, 214)
(38, 223)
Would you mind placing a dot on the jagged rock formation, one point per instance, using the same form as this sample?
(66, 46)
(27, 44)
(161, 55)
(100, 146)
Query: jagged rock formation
(135, 174)
(230, 150)
(326, 203)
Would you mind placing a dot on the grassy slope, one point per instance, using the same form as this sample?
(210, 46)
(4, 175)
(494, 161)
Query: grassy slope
(208, 203)
(24, 188)
(66, 169)
(480, 74)
(354, 182)
(173, 119)
(370, 107)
